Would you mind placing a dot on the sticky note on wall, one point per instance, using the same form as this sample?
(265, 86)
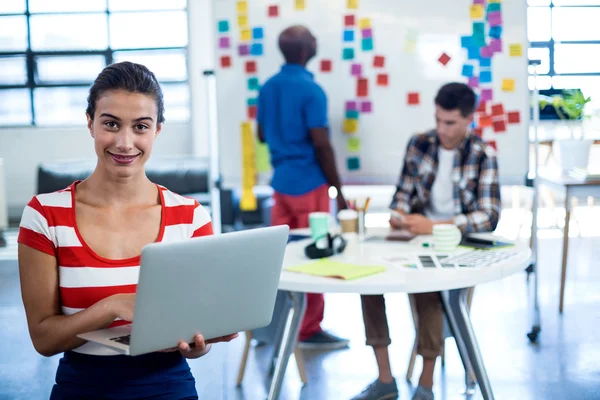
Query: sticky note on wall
(253, 84)
(243, 21)
(242, 7)
(515, 50)
(300, 5)
(508, 85)
(413, 98)
(353, 163)
(364, 23)
(273, 11)
(350, 125)
(366, 107)
(362, 87)
(476, 11)
(352, 4)
(367, 44)
(378, 61)
(353, 144)
(245, 35)
(223, 26)
(514, 117)
(382, 80)
(348, 54)
(326, 65)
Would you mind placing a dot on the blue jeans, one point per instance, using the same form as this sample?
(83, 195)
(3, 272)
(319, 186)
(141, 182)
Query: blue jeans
(159, 376)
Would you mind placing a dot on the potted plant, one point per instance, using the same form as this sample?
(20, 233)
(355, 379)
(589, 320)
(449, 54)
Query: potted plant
(570, 107)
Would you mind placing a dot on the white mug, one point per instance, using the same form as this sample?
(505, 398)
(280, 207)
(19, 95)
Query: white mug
(446, 237)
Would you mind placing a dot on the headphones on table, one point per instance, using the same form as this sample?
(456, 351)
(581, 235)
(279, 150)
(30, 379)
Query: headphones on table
(335, 245)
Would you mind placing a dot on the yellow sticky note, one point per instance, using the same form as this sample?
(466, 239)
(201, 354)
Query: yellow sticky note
(515, 50)
(263, 159)
(476, 11)
(353, 144)
(242, 7)
(350, 125)
(248, 201)
(334, 269)
(245, 35)
(242, 21)
(352, 4)
(508, 85)
(300, 5)
(364, 23)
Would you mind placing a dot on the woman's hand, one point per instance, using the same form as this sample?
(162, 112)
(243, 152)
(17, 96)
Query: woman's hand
(121, 306)
(418, 224)
(200, 346)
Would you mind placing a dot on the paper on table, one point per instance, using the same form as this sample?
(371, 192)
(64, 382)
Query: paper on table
(334, 269)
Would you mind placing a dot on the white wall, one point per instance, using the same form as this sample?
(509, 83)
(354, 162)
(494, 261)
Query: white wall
(24, 148)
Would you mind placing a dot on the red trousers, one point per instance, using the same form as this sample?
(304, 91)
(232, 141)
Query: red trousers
(293, 211)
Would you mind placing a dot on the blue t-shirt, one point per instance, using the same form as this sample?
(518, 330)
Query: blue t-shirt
(289, 104)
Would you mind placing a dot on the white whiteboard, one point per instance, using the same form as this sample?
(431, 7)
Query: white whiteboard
(436, 26)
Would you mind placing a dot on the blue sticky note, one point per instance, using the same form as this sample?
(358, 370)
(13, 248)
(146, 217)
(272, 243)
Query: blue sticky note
(348, 35)
(252, 101)
(485, 76)
(348, 54)
(258, 33)
(467, 70)
(256, 49)
(223, 26)
(485, 62)
(253, 84)
(494, 7)
(367, 44)
(496, 31)
(352, 114)
(465, 41)
(473, 53)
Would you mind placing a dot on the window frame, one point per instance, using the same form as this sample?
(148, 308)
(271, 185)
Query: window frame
(31, 55)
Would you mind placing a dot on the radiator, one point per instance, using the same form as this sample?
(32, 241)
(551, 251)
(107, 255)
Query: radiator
(3, 202)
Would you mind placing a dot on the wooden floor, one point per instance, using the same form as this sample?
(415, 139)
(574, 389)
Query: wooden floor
(564, 365)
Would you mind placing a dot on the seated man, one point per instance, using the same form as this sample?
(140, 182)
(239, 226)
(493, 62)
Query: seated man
(449, 176)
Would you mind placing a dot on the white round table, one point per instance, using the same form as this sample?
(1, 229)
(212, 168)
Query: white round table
(452, 283)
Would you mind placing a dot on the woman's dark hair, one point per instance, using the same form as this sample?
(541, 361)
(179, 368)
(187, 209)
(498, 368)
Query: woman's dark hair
(129, 77)
(456, 96)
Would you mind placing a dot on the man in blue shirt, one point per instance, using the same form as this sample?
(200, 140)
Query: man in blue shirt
(292, 120)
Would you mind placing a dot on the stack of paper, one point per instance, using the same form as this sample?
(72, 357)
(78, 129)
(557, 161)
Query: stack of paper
(333, 269)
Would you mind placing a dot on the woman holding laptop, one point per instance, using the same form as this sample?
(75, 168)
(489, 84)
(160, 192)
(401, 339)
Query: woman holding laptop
(79, 250)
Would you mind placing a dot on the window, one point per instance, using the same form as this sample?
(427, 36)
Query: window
(564, 37)
(51, 51)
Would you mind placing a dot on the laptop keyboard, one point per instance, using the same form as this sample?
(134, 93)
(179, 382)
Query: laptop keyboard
(122, 339)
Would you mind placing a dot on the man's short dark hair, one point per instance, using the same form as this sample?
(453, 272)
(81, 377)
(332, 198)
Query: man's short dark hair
(456, 96)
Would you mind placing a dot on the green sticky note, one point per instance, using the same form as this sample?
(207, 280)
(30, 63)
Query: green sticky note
(334, 269)
(253, 84)
(263, 159)
(252, 101)
(494, 7)
(348, 54)
(352, 114)
(367, 44)
(353, 144)
(353, 163)
(223, 26)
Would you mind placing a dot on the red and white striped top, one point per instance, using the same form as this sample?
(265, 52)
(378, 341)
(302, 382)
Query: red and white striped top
(48, 225)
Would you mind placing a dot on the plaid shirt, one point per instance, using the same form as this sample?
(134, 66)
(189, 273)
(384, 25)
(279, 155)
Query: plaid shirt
(475, 175)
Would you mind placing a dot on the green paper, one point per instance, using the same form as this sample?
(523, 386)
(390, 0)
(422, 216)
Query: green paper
(352, 114)
(367, 44)
(353, 145)
(223, 26)
(253, 84)
(333, 269)
(263, 159)
(348, 54)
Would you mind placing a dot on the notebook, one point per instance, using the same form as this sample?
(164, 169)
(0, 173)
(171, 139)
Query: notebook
(334, 269)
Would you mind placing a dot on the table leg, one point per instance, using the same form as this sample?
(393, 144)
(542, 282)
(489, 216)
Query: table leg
(563, 273)
(460, 344)
(288, 341)
(455, 304)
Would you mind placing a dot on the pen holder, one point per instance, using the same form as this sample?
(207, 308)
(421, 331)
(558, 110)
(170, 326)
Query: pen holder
(361, 225)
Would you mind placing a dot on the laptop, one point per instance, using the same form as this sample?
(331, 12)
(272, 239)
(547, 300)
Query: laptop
(213, 285)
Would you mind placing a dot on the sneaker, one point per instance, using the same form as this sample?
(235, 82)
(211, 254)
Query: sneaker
(323, 341)
(423, 393)
(379, 391)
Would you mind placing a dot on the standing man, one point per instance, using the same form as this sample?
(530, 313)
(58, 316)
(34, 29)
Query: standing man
(450, 176)
(292, 120)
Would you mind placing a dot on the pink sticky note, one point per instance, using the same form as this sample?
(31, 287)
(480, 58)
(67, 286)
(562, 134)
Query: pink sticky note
(351, 106)
(367, 33)
(496, 45)
(479, 2)
(486, 52)
(224, 42)
(356, 70)
(366, 107)
(486, 94)
(474, 82)
(495, 18)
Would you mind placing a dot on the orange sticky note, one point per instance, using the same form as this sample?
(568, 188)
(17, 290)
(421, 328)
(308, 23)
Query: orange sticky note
(382, 79)
(362, 87)
(485, 121)
(413, 98)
